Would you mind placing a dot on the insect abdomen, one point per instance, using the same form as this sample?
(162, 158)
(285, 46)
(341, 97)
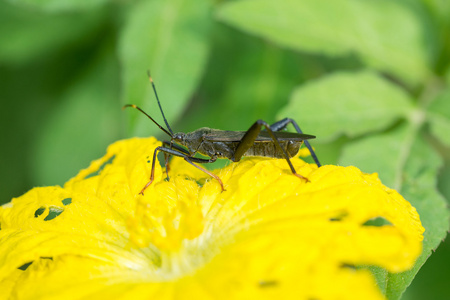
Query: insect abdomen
(270, 149)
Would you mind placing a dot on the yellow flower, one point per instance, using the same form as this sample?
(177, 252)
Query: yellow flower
(270, 234)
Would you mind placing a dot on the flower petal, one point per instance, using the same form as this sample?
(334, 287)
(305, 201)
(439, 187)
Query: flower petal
(270, 234)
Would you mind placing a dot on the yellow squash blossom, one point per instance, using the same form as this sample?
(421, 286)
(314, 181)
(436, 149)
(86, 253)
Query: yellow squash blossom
(269, 235)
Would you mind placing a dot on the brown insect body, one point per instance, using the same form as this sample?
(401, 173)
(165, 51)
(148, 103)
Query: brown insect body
(233, 145)
(223, 144)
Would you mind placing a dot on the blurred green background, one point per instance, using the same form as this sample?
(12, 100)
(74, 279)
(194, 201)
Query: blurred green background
(370, 78)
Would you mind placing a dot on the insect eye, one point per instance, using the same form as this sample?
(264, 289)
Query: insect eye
(178, 137)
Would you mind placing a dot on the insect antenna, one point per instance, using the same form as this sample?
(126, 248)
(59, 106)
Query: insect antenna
(159, 104)
(138, 108)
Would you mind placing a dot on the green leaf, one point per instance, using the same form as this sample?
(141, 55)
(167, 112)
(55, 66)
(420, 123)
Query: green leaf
(440, 9)
(444, 179)
(419, 188)
(347, 103)
(431, 282)
(82, 124)
(447, 75)
(405, 162)
(385, 154)
(169, 38)
(254, 82)
(25, 34)
(438, 116)
(385, 34)
(59, 5)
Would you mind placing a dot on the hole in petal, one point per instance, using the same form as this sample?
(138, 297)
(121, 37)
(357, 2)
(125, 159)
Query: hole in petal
(377, 222)
(66, 201)
(25, 266)
(349, 266)
(339, 216)
(53, 213)
(201, 182)
(39, 211)
(267, 283)
(95, 173)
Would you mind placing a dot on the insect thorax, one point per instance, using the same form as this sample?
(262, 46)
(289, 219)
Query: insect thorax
(194, 140)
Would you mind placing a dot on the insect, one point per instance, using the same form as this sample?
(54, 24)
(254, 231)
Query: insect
(233, 145)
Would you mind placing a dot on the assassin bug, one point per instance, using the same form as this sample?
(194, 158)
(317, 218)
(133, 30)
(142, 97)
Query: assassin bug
(232, 145)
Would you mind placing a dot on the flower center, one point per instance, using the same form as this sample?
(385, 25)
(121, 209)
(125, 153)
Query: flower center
(167, 216)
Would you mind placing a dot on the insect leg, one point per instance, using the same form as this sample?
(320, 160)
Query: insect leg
(181, 153)
(166, 150)
(280, 125)
(177, 147)
(191, 160)
(249, 138)
(170, 145)
(166, 158)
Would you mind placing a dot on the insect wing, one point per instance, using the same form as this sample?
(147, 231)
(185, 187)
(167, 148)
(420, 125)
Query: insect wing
(263, 136)
(224, 136)
(284, 136)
